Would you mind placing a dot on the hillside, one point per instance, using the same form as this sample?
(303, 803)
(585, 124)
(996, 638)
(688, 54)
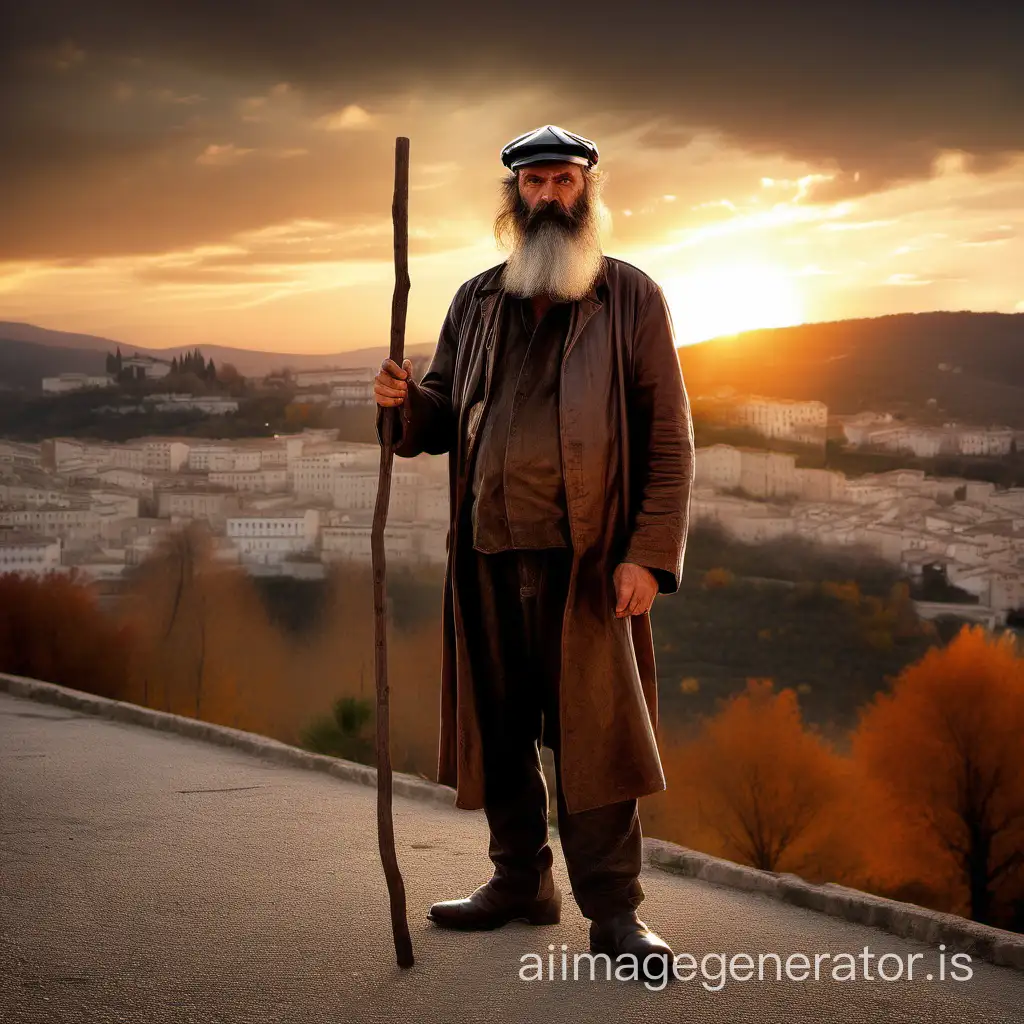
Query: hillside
(23, 364)
(249, 362)
(891, 362)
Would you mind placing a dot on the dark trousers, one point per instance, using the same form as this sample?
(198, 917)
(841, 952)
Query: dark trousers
(518, 599)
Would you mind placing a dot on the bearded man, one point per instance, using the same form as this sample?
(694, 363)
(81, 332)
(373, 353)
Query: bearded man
(555, 389)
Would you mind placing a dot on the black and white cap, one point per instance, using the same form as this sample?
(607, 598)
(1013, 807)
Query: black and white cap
(549, 143)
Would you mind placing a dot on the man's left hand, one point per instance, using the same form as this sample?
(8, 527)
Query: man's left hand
(635, 589)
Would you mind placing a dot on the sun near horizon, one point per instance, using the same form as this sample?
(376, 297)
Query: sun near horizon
(724, 300)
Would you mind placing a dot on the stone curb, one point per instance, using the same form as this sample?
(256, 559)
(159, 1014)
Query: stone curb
(225, 736)
(907, 920)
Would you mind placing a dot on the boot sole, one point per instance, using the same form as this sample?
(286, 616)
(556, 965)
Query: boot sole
(598, 947)
(543, 915)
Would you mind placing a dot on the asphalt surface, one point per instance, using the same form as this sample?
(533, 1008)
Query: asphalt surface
(146, 876)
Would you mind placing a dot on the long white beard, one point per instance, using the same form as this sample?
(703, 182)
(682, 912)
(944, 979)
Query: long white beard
(550, 261)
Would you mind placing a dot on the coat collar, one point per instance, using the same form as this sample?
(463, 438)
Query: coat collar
(492, 282)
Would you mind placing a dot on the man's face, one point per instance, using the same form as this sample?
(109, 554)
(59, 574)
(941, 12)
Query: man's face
(551, 213)
(546, 183)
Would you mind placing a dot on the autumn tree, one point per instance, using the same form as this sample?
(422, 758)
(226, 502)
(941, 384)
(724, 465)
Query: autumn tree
(205, 646)
(941, 756)
(230, 379)
(52, 628)
(336, 660)
(717, 577)
(760, 783)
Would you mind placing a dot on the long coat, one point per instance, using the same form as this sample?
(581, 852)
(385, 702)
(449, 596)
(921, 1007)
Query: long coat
(627, 462)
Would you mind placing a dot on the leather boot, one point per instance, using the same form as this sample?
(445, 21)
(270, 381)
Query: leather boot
(625, 933)
(490, 907)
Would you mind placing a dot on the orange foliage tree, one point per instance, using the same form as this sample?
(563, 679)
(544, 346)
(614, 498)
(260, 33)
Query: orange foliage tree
(205, 647)
(941, 759)
(52, 628)
(337, 660)
(758, 787)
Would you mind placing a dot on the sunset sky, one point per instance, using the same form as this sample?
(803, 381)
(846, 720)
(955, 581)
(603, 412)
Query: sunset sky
(187, 173)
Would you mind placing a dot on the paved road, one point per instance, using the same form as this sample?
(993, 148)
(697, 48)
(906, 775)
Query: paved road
(146, 876)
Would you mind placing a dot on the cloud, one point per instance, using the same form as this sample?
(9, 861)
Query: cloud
(876, 89)
(666, 137)
(905, 280)
(346, 119)
(59, 57)
(699, 103)
(221, 156)
(170, 96)
(992, 236)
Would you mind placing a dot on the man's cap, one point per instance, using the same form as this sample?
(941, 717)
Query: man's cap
(549, 143)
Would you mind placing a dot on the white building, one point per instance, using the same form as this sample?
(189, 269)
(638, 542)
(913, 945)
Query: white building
(857, 426)
(405, 543)
(314, 475)
(224, 458)
(251, 481)
(65, 382)
(820, 484)
(20, 455)
(785, 418)
(213, 506)
(718, 466)
(212, 405)
(356, 390)
(981, 441)
(316, 471)
(146, 367)
(768, 474)
(270, 537)
(926, 442)
(329, 375)
(28, 554)
(281, 450)
(165, 454)
(432, 503)
(129, 479)
(147, 454)
(74, 525)
(33, 496)
(356, 490)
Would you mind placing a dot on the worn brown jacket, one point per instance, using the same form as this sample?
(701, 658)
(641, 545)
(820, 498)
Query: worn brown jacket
(627, 501)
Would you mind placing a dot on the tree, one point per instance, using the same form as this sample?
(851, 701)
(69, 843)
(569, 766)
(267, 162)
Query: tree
(52, 628)
(205, 646)
(941, 754)
(717, 578)
(761, 780)
(211, 370)
(230, 379)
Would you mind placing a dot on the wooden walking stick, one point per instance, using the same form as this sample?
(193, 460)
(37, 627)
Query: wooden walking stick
(385, 827)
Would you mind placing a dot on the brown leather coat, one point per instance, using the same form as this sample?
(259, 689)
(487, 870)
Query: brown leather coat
(626, 502)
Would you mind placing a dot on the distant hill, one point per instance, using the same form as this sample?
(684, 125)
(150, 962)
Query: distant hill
(248, 361)
(889, 362)
(23, 364)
